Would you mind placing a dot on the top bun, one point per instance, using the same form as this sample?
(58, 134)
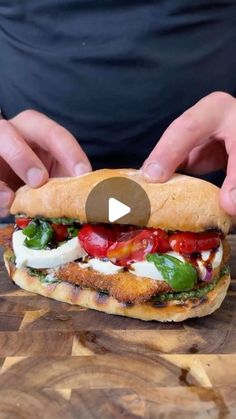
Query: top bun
(183, 203)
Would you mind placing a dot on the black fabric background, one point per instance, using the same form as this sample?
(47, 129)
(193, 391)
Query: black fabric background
(115, 73)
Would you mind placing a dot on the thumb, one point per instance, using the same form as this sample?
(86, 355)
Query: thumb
(228, 190)
(6, 198)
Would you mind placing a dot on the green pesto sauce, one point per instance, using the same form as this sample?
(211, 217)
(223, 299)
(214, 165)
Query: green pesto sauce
(36, 272)
(60, 220)
(186, 295)
(44, 278)
(12, 259)
(197, 293)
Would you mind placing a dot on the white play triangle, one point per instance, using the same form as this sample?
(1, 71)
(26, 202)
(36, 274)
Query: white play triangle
(116, 209)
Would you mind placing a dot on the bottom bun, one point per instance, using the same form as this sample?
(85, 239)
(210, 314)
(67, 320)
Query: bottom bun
(174, 310)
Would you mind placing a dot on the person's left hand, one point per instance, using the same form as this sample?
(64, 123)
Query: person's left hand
(201, 140)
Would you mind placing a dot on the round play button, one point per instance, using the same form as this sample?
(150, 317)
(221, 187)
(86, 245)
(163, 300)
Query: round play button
(118, 200)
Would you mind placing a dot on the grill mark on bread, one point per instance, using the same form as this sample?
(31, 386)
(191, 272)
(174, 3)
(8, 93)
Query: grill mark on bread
(160, 304)
(146, 311)
(101, 297)
(198, 301)
(129, 305)
(124, 286)
(75, 292)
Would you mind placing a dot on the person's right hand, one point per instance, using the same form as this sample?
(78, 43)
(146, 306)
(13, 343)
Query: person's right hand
(32, 148)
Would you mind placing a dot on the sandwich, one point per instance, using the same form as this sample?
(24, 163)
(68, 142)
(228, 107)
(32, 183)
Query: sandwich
(171, 269)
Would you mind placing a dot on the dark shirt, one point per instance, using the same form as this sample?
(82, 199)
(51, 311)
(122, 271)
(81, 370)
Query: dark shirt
(115, 73)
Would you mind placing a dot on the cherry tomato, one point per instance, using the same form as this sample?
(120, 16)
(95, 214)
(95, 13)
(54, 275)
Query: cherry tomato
(162, 240)
(60, 231)
(188, 242)
(208, 241)
(95, 239)
(132, 246)
(22, 222)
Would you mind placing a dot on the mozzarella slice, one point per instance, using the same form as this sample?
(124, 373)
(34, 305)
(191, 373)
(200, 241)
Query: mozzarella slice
(149, 270)
(205, 255)
(84, 265)
(215, 261)
(146, 269)
(176, 255)
(105, 267)
(72, 250)
(42, 259)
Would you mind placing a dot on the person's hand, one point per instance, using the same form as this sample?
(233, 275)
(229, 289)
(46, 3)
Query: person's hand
(201, 140)
(32, 148)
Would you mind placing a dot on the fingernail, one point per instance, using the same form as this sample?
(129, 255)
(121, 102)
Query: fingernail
(233, 195)
(81, 168)
(35, 176)
(5, 199)
(153, 171)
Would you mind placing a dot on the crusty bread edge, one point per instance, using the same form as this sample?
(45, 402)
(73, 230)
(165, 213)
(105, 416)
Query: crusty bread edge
(164, 312)
(183, 203)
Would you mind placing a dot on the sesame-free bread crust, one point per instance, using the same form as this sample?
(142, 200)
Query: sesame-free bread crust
(183, 203)
(164, 312)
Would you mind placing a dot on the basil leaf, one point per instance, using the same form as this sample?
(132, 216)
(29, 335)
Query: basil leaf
(72, 231)
(179, 275)
(63, 220)
(31, 229)
(186, 295)
(43, 233)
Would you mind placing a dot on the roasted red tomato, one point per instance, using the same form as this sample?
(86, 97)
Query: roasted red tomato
(95, 239)
(123, 244)
(22, 222)
(60, 231)
(188, 243)
(133, 246)
(162, 240)
(208, 240)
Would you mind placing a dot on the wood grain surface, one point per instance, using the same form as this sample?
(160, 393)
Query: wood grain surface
(60, 361)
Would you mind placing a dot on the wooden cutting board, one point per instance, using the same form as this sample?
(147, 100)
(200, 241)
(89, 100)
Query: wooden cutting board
(60, 361)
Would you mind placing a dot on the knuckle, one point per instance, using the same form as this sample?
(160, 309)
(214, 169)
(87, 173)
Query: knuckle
(4, 126)
(53, 133)
(16, 155)
(231, 145)
(220, 98)
(15, 149)
(27, 113)
(187, 122)
(3, 185)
